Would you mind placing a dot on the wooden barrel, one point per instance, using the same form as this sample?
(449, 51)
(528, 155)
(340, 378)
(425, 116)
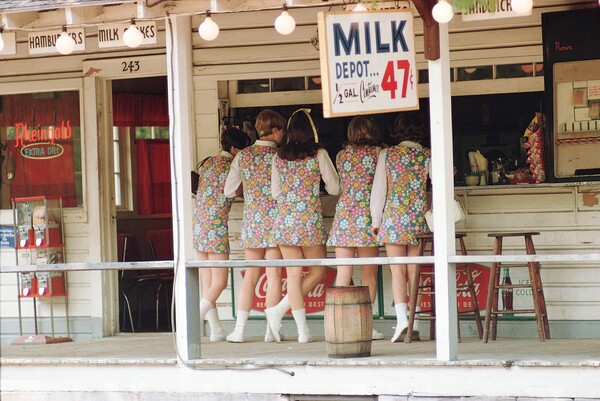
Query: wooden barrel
(348, 322)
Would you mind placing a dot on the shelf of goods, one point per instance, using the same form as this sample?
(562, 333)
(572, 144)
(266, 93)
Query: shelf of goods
(40, 241)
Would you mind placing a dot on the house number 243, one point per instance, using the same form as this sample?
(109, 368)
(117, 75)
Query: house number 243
(131, 66)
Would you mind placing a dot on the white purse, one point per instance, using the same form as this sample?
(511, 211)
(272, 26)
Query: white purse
(459, 214)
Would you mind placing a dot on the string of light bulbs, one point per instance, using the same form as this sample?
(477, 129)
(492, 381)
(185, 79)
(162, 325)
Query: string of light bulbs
(208, 30)
(284, 24)
(443, 11)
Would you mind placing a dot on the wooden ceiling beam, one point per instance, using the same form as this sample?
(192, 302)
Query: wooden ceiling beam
(18, 19)
(82, 15)
(431, 29)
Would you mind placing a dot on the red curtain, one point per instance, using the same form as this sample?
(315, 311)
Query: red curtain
(45, 109)
(140, 110)
(153, 176)
(53, 177)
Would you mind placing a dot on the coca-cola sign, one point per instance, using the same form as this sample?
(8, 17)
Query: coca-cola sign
(314, 301)
(481, 277)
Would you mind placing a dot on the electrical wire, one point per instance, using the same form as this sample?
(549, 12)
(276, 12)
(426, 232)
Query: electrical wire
(342, 3)
(176, 246)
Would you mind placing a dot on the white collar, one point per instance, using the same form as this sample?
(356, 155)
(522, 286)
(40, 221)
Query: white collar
(269, 144)
(226, 154)
(411, 144)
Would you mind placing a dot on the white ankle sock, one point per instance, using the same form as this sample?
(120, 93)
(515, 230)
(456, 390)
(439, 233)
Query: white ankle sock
(213, 320)
(205, 306)
(241, 319)
(401, 312)
(416, 322)
(283, 306)
(300, 319)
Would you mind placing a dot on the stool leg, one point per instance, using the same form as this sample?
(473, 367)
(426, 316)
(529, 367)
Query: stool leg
(492, 290)
(472, 291)
(539, 303)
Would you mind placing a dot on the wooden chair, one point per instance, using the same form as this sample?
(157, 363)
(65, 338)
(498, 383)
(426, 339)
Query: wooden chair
(122, 247)
(535, 284)
(161, 247)
(417, 282)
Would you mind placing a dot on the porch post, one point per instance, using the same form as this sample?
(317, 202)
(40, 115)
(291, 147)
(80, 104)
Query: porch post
(181, 116)
(443, 195)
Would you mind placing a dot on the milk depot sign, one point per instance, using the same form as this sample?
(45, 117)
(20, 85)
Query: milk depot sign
(367, 62)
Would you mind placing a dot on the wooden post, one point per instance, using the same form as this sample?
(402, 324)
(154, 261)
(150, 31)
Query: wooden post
(181, 117)
(443, 195)
(431, 29)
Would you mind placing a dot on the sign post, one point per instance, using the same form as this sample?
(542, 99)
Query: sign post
(367, 62)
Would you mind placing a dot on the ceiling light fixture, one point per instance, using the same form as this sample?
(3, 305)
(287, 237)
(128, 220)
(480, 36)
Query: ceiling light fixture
(65, 44)
(208, 29)
(360, 7)
(1, 38)
(132, 36)
(442, 12)
(522, 6)
(285, 23)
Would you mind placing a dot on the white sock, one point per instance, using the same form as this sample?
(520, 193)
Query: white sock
(214, 322)
(241, 319)
(300, 319)
(283, 306)
(401, 312)
(416, 321)
(205, 306)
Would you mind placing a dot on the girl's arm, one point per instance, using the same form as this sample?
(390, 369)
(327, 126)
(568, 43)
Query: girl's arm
(379, 191)
(275, 181)
(328, 172)
(234, 179)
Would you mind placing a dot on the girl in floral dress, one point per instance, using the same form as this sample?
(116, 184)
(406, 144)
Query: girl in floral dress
(398, 203)
(351, 229)
(210, 231)
(252, 168)
(299, 230)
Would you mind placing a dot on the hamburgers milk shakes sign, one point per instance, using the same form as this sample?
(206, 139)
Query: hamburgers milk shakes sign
(367, 62)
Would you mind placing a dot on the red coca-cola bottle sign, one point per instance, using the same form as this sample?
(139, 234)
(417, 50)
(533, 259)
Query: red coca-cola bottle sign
(314, 300)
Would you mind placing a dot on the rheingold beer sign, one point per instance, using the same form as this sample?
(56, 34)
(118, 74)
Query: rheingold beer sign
(39, 143)
(367, 62)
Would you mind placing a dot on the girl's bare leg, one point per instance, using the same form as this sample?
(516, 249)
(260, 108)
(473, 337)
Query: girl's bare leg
(344, 273)
(246, 295)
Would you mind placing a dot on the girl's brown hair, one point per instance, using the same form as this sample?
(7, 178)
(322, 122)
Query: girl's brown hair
(267, 120)
(300, 138)
(362, 131)
(410, 126)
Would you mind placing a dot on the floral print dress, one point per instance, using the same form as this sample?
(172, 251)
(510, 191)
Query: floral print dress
(300, 217)
(260, 209)
(403, 216)
(212, 206)
(352, 222)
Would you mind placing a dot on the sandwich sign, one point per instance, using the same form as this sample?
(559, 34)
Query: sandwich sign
(367, 62)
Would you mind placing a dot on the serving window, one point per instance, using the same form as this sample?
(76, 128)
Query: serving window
(40, 143)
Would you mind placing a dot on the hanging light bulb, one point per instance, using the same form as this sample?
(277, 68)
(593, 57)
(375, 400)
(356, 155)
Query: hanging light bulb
(208, 29)
(360, 7)
(132, 36)
(442, 12)
(1, 38)
(285, 23)
(65, 44)
(522, 6)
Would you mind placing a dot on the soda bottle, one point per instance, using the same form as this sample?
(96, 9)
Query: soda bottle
(507, 293)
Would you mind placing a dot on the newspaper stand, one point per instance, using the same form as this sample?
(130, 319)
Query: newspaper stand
(40, 241)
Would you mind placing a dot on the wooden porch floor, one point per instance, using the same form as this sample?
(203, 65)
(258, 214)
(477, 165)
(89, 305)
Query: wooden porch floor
(159, 348)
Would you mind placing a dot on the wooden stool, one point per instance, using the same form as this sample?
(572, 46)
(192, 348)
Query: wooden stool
(416, 282)
(537, 291)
